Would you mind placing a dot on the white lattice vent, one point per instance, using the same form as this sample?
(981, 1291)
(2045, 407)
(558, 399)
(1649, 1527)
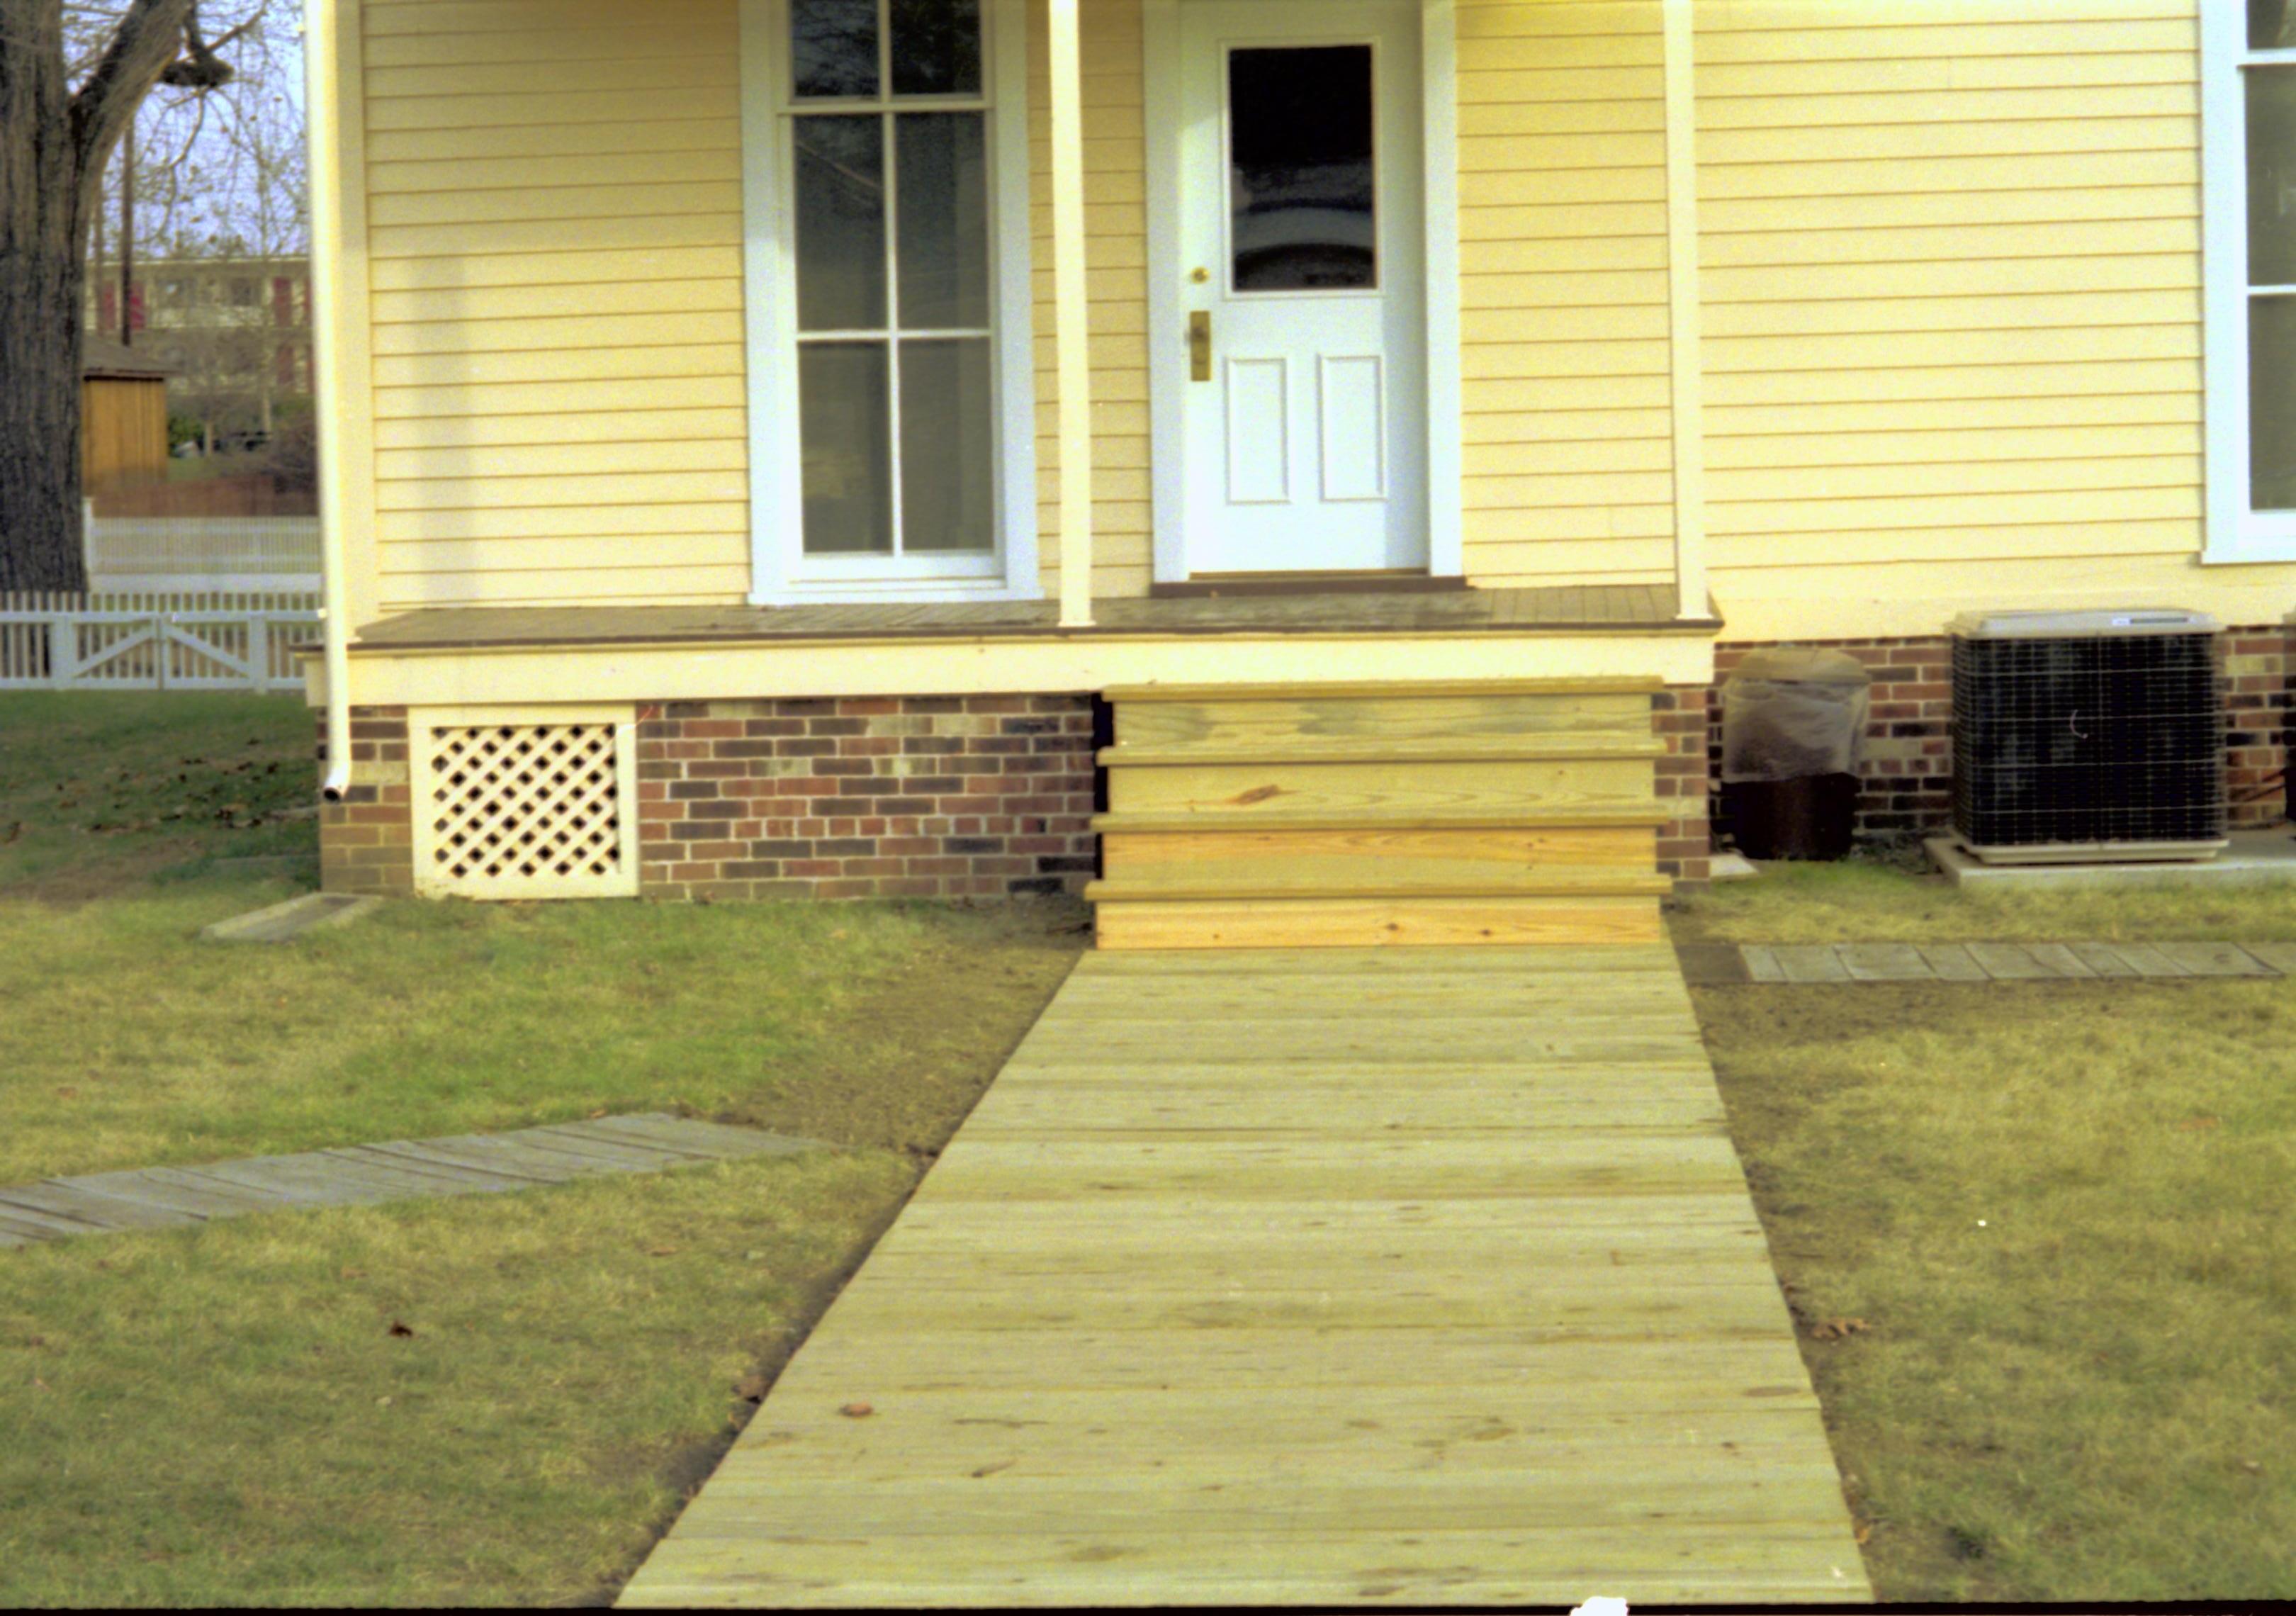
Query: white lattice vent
(516, 809)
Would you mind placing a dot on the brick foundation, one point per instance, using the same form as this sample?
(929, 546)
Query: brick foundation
(1684, 843)
(1907, 774)
(892, 797)
(366, 842)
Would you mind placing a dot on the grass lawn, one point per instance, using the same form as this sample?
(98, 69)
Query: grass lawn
(2037, 1237)
(227, 1415)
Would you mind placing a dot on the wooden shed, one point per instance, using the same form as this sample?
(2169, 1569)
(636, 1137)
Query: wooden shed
(124, 417)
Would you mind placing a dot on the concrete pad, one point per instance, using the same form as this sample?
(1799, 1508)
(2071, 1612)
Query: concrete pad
(1810, 962)
(2010, 962)
(2103, 960)
(1885, 963)
(2215, 959)
(1952, 962)
(285, 922)
(2254, 859)
(2280, 956)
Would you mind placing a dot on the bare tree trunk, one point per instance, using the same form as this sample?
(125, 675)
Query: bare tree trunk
(43, 289)
(54, 143)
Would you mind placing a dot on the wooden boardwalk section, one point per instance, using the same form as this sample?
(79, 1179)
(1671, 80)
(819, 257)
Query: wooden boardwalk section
(368, 1175)
(1401, 1276)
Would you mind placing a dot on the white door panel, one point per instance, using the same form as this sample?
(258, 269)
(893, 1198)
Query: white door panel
(1300, 234)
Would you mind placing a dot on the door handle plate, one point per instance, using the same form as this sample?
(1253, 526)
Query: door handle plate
(1200, 345)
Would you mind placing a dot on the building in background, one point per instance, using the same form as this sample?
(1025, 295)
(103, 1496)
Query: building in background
(234, 334)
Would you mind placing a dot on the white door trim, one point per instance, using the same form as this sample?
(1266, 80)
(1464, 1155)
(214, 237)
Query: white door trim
(1167, 353)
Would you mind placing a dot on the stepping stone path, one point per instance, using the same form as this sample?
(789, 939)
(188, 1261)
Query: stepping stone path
(363, 1174)
(1716, 964)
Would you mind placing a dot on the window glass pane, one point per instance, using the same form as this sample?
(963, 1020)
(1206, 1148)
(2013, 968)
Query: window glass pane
(840, 222)
(2271, 25)
(833, 47)
(944, 190)
(2272, 403)
(1301, 144)
(936, 47)
(846, 439)
(2271, 176)
(948, 447)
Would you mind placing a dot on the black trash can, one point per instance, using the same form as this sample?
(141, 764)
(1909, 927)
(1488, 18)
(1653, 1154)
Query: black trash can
(1793, 732)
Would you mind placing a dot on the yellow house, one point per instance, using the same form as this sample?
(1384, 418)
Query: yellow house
(778, 445)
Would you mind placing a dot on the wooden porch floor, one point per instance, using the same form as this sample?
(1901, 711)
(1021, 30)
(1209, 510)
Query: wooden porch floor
(1387, 1277)
(1647, 608)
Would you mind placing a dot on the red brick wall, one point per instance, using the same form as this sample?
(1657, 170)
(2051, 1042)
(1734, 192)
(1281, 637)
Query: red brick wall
(1908, 774)
(366, 842)
(890, 796)
(1685, 845)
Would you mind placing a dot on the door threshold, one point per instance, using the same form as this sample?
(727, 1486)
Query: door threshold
(1214, 585)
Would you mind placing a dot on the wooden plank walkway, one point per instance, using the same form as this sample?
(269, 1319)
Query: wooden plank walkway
(1806, 964)
(1306, 1276)
(363, 1174)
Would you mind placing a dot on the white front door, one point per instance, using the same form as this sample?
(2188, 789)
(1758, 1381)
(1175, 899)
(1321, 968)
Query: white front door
(1300, 239)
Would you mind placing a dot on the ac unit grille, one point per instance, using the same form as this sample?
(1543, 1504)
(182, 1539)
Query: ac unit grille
(2094, 739)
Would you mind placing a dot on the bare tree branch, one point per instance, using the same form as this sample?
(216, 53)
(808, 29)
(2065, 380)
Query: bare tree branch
(147, 38)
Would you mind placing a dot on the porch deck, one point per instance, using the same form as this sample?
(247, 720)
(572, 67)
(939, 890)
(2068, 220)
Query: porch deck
(1603, 609)
(1306, 1277)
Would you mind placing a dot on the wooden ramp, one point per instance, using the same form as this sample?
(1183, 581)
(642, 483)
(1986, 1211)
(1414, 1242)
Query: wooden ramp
(1306, 1277)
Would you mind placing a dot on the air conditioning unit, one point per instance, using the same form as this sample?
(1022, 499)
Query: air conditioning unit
(2082, 736)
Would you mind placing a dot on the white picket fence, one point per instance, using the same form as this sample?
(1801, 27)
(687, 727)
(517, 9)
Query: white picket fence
(187, 640)
(201, 553)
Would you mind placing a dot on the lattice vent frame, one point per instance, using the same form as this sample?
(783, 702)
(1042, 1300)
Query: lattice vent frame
(528, 803)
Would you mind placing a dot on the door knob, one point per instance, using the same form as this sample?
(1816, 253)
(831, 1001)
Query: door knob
(1200, 345)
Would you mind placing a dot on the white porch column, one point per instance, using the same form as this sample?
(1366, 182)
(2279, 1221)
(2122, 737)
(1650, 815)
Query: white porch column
(1070, 320)
(1687, 324)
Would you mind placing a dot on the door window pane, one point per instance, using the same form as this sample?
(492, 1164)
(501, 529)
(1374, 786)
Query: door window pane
(2272, 403)
(948, 447)
(846, 435)
(833, 47)
(840, 222)
(2271, 25)
(936, 47)
(1303, 177)
(944, 190)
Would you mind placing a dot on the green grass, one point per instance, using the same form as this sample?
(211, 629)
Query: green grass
(223, 1415)
(1872, 900)
(98, 787)
(2060, 1214)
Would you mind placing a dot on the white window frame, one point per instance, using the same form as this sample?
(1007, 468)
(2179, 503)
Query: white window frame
(781, 572)
(2235, 531)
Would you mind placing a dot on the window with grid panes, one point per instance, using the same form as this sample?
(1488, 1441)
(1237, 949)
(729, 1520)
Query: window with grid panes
(2250, 50)
(888, 113)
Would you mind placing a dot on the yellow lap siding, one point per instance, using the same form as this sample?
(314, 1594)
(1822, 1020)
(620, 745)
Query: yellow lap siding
(1951, 267)
(1116, 253)
(1562, 228)
(555, 206)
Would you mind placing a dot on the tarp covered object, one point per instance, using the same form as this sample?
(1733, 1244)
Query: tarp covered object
(1790, 715)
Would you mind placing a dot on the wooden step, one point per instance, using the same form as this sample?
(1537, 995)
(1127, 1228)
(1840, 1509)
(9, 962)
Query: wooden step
(1234, 720)
(1365, 790)
(1383, 689)
(1565, 883)
(1355, 923)
(1498, 859)
(1646, 812)
(1387, 749)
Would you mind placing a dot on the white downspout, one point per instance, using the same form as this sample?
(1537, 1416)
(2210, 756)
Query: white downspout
(322, 88)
